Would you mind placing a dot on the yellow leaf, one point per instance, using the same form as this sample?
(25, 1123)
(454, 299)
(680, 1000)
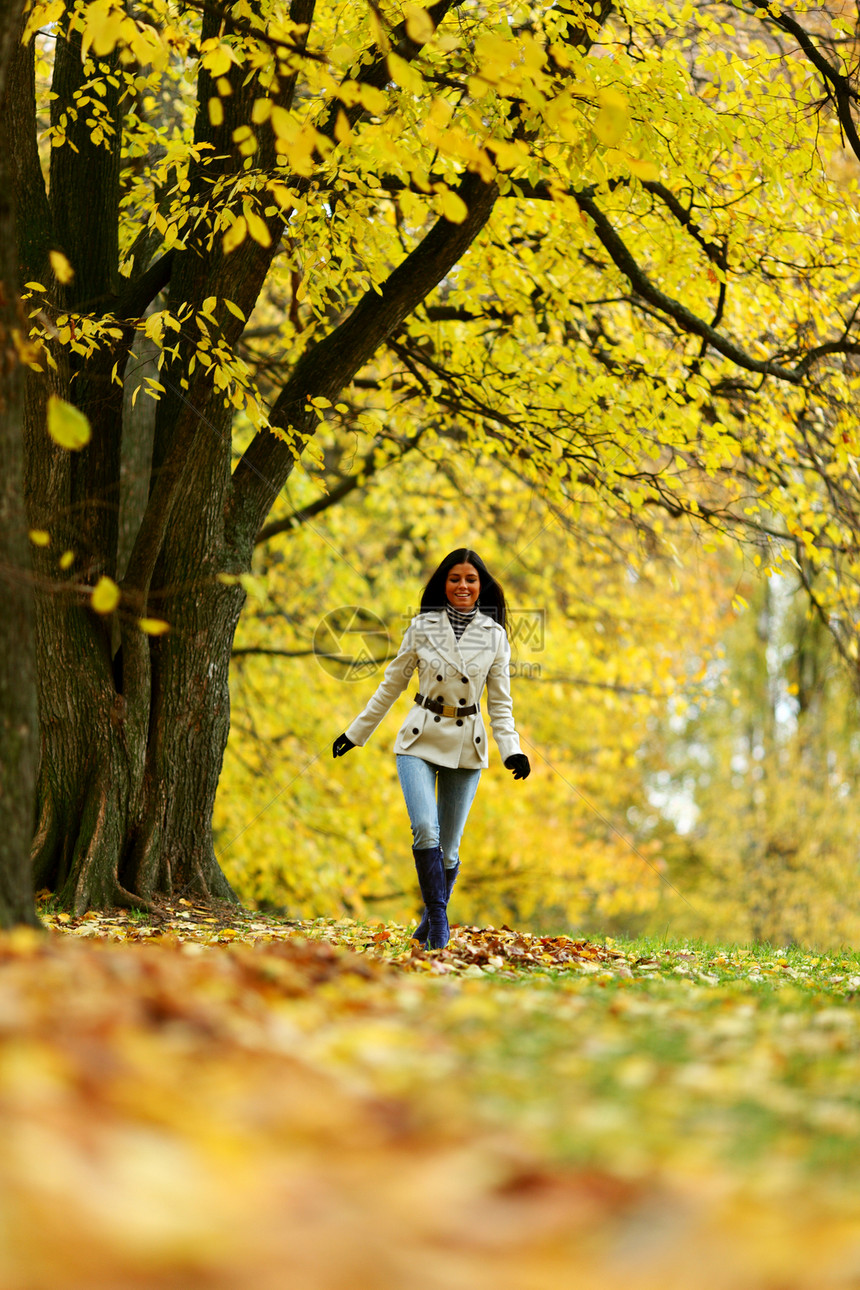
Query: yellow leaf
(610, 124)
(67, 425)
(613, 99)
(645, 170)
(609, 127)
(281, 195)
(419, 24)
(283, 124)
(153, 626)
(103, 29)
(373, 99)
(63, 271)
(454, 208)
(405, 74)
(67, 559)
(258, 229)
(216, 111)
(217, 61)
(252, 586)
(40, 537)
(235, 235)
(35, 286)
(105, 597)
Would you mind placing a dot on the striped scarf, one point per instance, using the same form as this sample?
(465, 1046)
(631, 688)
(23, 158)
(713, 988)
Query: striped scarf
(460, 621)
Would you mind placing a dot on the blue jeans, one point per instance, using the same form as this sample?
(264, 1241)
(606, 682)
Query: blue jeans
(438, 800)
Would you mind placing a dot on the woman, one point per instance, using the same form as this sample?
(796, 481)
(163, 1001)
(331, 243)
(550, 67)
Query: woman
(459, 644)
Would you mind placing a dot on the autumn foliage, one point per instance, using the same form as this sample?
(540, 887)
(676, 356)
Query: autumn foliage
(607, 260)
(209, 1099)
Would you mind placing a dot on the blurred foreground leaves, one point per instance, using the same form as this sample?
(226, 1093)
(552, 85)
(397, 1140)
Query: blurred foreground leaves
(223, 1099)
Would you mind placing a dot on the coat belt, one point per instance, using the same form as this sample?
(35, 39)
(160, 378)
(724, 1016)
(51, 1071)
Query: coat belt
(445, 709)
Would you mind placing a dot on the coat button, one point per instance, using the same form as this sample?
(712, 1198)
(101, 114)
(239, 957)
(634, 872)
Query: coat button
(438, 678)
(465, 680)
(459, 721)
(437, 718)
(415, 730)
(477, 739)
(462, 700)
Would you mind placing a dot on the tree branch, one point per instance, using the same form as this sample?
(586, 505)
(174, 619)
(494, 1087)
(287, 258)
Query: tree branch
(843, 94)
(643, 286)
(245, 651)
(325, 369)
(133, 302)
(367, 469)
(332, 363)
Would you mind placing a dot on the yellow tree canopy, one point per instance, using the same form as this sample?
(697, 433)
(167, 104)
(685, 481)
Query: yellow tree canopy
(657, 304)
(615, 251)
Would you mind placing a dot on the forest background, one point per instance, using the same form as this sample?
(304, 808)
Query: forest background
(575, 289)
(295, 298)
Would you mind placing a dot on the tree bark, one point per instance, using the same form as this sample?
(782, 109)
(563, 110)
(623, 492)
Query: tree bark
(18, 718)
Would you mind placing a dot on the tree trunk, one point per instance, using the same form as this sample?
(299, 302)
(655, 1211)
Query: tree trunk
(18, 722)
(190, 703)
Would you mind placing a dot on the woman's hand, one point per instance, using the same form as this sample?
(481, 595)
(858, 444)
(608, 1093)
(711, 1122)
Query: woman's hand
(341, 745)
(519, 764)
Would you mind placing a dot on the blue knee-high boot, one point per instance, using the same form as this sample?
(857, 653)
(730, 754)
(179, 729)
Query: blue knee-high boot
(434, 889)
(420, 933)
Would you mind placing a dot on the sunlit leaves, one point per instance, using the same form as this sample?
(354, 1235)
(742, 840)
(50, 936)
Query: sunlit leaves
(453, 207)
(235, 235)
(67, 425)
(405, 74)
(216, 57)
(63, 271)
(697, 1094)
(643, 169)
(256, 227)
(610, 124)
(105, 596)
(419, 24)
(153, 626)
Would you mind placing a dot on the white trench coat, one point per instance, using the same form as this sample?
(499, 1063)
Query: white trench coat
(454, 672)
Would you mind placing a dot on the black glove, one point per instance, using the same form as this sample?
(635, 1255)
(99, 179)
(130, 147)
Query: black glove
(519, 764)
(341, 745)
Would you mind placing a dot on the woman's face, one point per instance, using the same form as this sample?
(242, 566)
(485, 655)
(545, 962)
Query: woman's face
(462, 586)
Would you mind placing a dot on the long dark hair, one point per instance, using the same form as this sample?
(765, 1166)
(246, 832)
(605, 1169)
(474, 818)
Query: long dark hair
(491, 599)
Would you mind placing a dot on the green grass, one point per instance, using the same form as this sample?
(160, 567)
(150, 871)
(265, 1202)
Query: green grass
(741, 1058)
(664, 1057)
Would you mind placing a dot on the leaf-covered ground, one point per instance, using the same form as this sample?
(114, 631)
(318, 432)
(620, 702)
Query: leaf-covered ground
(215, 1098)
